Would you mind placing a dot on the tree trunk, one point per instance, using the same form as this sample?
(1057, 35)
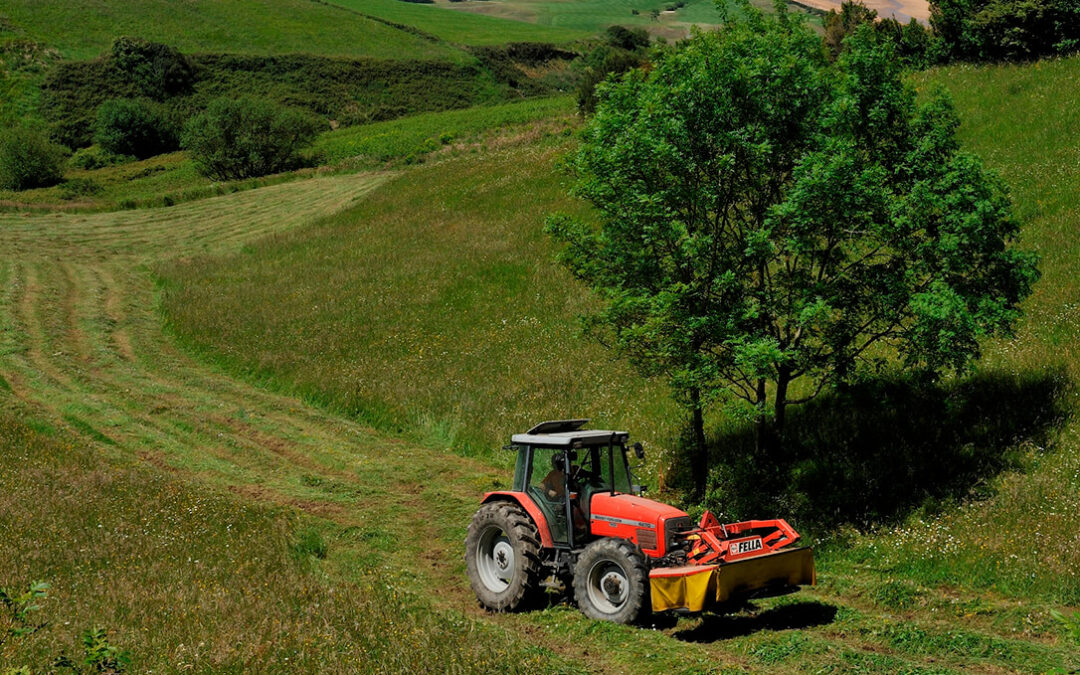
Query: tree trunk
(762, 436)
(700, 457)
(776, 440)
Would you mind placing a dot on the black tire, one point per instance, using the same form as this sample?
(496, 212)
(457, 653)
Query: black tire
(502, 557)
(611, 581)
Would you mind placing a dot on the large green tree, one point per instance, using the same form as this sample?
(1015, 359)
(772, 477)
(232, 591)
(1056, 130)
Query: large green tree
(767, 223)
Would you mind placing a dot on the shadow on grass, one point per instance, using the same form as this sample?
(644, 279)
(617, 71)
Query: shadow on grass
(717, 627)
(874, 452)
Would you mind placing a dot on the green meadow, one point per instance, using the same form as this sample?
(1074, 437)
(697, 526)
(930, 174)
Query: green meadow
(244, 424)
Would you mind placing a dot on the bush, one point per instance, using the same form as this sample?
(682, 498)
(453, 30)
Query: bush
(28, 159)
(96, 157)
(134, 127)
(630, 39)
(155, 70)
(80, 187)
(246, 137)
(602, 63)
(1005, 30)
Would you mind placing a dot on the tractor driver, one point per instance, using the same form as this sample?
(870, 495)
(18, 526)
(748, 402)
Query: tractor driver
(554, 485)
(555, 482)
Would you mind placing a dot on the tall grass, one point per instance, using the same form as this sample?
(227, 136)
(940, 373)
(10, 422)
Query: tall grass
(434, 308)
(189, 579)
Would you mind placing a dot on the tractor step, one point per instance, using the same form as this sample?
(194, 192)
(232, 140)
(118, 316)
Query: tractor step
(695, 588)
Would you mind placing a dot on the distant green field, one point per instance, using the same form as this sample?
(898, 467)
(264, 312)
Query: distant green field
(460, 27)
(83, 30)
(593, 16)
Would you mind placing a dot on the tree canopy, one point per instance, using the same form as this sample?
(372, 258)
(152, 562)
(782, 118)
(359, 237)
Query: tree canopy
(767, 223)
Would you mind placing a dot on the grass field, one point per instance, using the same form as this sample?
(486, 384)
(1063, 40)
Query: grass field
(462, 27)
(247, 432)
(596, 15)
(236, 27)
(458, 329)
(113, 400)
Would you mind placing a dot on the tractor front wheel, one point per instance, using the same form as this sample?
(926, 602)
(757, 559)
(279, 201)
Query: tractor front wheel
(502, 557)
(611, 581)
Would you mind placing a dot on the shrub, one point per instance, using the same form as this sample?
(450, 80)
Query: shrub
(1005, 30)
(28, 159)
(246, 137)
(603, 63)
(134, 127)
(630, 39)
(80, 187)
(96, 157)
(155, 70)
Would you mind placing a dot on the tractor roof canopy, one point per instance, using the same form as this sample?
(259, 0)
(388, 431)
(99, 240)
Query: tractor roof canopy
(567, 434)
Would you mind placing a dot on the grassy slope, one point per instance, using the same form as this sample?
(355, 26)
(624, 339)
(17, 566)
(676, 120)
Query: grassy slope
(244, 27)
(81, 345)
(460, 27)
(118, 454)
(172, 178)
(457, 325)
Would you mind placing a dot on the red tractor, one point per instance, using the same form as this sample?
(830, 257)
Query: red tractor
(576, 514)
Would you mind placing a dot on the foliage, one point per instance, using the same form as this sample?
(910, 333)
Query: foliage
(912, 42)
(99, 655)
(1070, 622)
(630, 39)
(1005, 30)
(764, 218)
(95, 157)
(153, 69)
(603, 63)
(17, 610)
(247, 137)
(349, 91)
(134, 127)
(28, 159)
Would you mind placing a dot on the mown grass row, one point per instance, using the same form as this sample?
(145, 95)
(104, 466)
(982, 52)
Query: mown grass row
(187, 578)
(434, 309)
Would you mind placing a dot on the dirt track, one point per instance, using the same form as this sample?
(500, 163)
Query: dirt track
(902, 10)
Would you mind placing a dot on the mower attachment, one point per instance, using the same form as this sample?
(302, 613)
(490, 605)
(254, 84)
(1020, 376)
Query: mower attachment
(732, 561)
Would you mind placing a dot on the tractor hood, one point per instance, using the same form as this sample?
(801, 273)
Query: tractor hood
(647, 523)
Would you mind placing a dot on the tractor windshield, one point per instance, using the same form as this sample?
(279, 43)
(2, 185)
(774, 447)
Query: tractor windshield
(604, 467)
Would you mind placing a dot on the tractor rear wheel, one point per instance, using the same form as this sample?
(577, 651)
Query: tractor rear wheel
(611, 581)
(502, 557)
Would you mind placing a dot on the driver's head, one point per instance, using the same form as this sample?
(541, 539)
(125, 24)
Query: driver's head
(557, 461)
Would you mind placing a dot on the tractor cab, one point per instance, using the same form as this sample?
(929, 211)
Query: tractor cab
(561, 467)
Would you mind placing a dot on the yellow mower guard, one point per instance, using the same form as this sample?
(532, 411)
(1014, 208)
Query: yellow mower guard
(696, 587)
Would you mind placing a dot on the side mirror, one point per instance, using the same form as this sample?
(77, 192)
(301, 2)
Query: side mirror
(639, 451)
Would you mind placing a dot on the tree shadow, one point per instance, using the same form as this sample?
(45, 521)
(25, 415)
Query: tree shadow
(717, 627)
(873, 452)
